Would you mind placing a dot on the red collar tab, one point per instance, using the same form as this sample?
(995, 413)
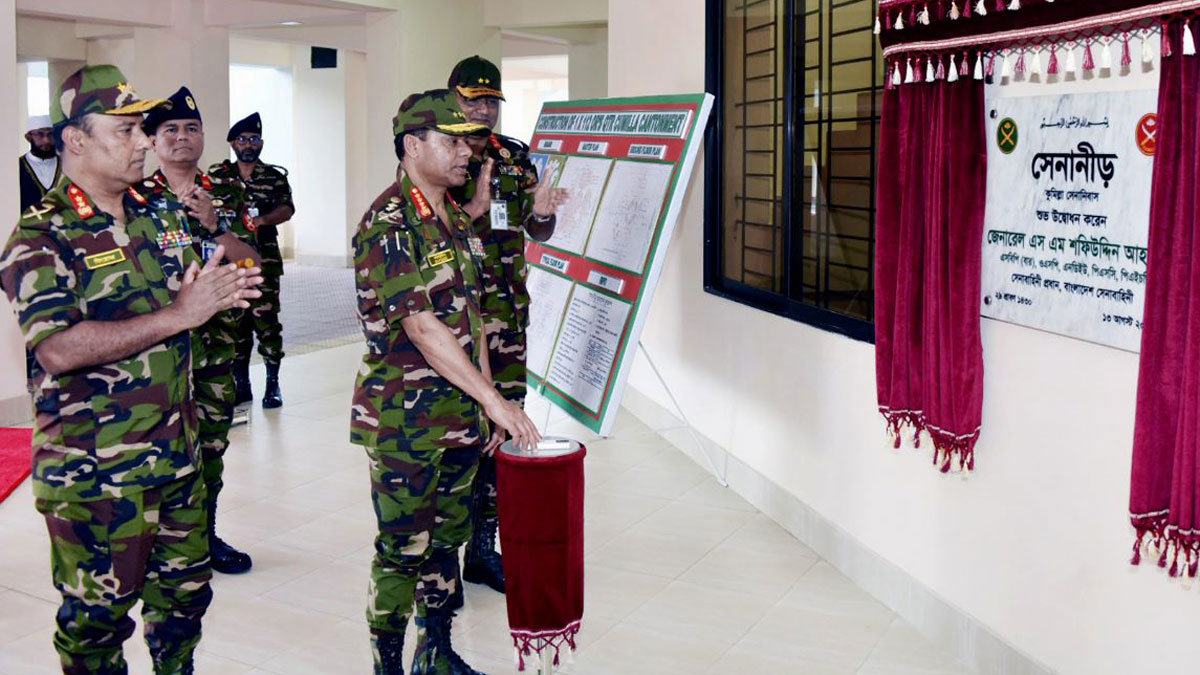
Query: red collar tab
(80, 201)
(423, 208)
(137, 196)
(499, 148)
(205, 181)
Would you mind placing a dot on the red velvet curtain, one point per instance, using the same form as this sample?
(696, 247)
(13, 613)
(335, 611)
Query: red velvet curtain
(1163, 497)
(928, 252)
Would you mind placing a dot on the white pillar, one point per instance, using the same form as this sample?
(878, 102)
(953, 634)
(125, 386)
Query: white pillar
(412, 50)
(15, 406)
(587, 68)
(190, 53)
(21, 102)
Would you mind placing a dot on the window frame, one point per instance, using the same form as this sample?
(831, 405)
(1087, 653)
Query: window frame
(715, 283)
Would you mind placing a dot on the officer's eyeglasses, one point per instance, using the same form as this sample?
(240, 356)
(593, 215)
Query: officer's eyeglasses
(249, 140)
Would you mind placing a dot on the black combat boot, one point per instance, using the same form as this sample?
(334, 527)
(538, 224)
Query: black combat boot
(482, 565)
(225, 558)
(241, 381)
(434, 654)
(271, 397)
(388, 650)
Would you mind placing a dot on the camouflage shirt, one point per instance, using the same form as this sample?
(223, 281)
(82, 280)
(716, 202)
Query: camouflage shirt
(506, 299)
(213, 343)
(266, 190)
(119, 428)
(407, 261)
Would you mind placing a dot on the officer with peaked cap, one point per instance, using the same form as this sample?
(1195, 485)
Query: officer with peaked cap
(424, 392)
(269, 203)
(507, 201)
(107, 290)
(216, 208)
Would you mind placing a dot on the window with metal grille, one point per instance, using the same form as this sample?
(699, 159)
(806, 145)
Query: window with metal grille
(790, 158)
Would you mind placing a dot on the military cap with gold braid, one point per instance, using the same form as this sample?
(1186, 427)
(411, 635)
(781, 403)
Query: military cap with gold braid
(475, 77)
(98, 89)
(436, 109)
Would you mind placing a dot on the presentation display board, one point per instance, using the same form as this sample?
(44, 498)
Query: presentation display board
(1068, 213)
(626, 163)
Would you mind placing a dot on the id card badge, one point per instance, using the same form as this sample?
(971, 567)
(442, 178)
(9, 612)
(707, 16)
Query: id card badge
(207, 249)
(499, 215)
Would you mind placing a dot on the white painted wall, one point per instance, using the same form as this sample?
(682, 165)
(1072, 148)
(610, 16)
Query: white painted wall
(318, 176)
(1035, 545)
(15, 406)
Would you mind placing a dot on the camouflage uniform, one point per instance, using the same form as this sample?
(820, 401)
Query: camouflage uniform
(115, 469)
(266, 190)
(215, 343)
(422, 433)
(506, 299)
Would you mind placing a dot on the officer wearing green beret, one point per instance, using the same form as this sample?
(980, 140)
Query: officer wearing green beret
(269, 203)
(424, 392)
(506, 201)
(107, 290)
(215, 207)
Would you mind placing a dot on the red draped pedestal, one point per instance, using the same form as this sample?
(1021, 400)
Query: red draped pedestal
(540, 502)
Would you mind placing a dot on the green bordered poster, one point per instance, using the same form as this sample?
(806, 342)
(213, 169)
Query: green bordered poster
(627, 163)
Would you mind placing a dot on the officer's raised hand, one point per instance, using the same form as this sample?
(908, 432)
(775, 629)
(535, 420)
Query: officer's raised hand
(214, 288)
(547, 199)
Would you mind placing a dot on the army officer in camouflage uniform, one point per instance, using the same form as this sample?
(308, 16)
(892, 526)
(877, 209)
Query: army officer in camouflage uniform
(214, 207)
(424, 392)
(507, 202)
(269, 204)
(106, 290)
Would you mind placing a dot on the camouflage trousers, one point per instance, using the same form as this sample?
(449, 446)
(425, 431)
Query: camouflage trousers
(214, 407)
(108, 554)
(422, 502)
(262, 320)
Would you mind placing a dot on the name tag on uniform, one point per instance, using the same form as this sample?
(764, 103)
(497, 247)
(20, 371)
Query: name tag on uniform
(476, 247)
(104, 259)
(438, 258)
(499, 215)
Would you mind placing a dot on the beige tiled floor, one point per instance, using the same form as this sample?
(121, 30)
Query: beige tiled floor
(683, 576)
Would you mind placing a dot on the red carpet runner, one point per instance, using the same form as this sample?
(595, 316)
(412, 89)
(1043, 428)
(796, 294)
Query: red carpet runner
(14, 459)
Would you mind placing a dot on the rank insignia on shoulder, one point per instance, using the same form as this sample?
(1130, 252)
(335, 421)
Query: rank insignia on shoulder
(104, 259)
(439, 258)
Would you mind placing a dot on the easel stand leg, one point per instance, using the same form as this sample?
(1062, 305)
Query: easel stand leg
(719, 475)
